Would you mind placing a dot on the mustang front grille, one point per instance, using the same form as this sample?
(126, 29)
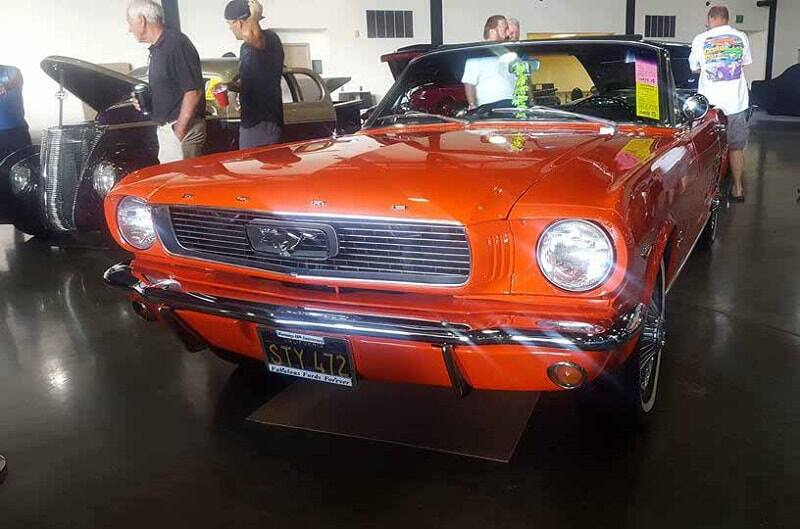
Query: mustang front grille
(378, 250)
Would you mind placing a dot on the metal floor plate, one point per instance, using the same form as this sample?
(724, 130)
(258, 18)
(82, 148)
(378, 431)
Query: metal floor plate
(485, 424)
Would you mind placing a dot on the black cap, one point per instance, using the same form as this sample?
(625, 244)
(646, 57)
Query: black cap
(237, 10)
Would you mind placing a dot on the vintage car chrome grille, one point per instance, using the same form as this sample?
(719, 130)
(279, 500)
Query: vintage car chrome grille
(63, 155)
(376, 250)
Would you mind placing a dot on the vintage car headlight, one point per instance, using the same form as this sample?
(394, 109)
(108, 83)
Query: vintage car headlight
(21, 179)
(135, 221)
(575, 255)
(104, 177)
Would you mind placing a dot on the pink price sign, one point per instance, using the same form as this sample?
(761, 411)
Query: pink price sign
(646, 72)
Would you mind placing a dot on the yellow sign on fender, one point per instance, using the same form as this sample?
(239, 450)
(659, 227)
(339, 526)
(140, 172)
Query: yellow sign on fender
(647, 93)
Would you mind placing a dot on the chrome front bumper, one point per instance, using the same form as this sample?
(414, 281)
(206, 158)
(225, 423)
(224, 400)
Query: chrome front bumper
(169, 294)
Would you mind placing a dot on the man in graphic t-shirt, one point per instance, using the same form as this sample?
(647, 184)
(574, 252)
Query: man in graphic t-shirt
(487, 80)
(720, 55)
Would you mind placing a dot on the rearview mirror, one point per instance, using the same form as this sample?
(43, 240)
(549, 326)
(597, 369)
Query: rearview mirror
(696, 108)
(366, 114)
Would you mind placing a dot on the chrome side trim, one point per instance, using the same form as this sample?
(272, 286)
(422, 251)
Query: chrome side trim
(398, 328)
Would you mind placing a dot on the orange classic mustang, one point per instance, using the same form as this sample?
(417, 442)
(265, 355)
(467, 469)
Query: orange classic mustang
(513, 246)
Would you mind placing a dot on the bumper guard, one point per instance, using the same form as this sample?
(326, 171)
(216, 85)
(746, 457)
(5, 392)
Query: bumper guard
(169, 294)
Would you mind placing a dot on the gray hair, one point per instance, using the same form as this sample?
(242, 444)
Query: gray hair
(150, 10)
(513, 22)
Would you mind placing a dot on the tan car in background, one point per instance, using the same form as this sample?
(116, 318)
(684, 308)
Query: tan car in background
(309, 111)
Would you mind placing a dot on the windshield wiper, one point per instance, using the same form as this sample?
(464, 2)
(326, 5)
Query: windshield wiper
(538, 109)
(412, 114)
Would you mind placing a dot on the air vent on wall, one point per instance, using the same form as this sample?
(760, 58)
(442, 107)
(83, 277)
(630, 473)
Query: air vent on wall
(658, 26)
(390, 24)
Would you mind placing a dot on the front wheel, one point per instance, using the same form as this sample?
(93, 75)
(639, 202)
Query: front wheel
(640, 372)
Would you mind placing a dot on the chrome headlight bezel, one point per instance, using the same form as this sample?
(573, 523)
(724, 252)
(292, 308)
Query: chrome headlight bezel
(135, 222)
(21, 178)
(104, 177)
(604, 267)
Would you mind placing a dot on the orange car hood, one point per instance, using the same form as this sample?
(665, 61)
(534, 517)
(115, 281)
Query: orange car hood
(467, 176)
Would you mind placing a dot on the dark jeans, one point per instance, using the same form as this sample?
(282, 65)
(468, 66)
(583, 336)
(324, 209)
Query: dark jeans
(12, 140)
(264, 133)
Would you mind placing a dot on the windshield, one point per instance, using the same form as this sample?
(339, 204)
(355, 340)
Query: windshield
(607, 82)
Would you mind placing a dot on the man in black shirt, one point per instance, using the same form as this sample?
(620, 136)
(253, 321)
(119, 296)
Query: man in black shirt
(176, 81)
(260, 73)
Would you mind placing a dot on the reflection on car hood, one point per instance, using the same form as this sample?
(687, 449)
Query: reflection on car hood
(98, 87)
(467, 176)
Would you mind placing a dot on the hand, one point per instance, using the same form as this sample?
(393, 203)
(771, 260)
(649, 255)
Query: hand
(179, 131)
(135, 102)
(256, 10)
(2, 90)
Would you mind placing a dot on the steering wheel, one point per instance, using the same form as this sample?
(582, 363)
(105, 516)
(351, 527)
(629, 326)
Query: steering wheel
(593, 100)
(484, 110)
(601, 103)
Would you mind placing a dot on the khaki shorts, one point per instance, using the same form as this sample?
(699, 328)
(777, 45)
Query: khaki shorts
(171, 149)
(738, 131)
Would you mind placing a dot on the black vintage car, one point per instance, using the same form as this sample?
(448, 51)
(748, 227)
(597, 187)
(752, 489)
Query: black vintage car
(779, 96)
(58, 187)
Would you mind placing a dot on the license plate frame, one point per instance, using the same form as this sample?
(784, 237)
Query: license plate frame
(324, 359)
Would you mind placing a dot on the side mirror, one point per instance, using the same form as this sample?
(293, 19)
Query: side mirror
(696, 108)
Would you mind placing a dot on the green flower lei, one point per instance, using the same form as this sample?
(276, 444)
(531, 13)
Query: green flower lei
(521, 71)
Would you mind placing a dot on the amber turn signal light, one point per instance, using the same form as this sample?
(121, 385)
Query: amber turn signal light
(567, 375)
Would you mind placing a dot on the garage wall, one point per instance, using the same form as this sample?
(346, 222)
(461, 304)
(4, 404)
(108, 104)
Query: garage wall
(787, 36)
(464, 19)
(33, 30)
(335, 29)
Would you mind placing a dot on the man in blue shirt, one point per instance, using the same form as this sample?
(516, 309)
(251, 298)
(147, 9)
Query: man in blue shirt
(13, 127)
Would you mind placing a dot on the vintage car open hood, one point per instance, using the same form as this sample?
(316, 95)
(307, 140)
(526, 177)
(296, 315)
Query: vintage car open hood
(466, 176)
(98, 87)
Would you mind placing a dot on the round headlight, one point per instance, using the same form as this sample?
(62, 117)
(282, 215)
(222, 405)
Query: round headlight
(135, 221)
(104, 177)
(21, 179)
(575, 255)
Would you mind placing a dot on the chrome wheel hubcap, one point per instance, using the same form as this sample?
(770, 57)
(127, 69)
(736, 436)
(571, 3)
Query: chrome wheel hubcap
(652, 341)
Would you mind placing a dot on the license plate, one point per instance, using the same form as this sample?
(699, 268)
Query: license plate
(317, 358)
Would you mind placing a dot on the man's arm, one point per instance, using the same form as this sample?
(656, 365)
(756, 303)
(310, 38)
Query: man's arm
(747, 56)
(472, 99)
(14, 81)
(191, 100)
(251, 29)
(470, 81)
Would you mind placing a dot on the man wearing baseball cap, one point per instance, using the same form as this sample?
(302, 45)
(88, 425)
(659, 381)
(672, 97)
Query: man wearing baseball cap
(260, 72)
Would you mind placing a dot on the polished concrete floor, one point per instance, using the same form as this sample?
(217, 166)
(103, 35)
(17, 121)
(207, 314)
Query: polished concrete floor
(106, 422)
